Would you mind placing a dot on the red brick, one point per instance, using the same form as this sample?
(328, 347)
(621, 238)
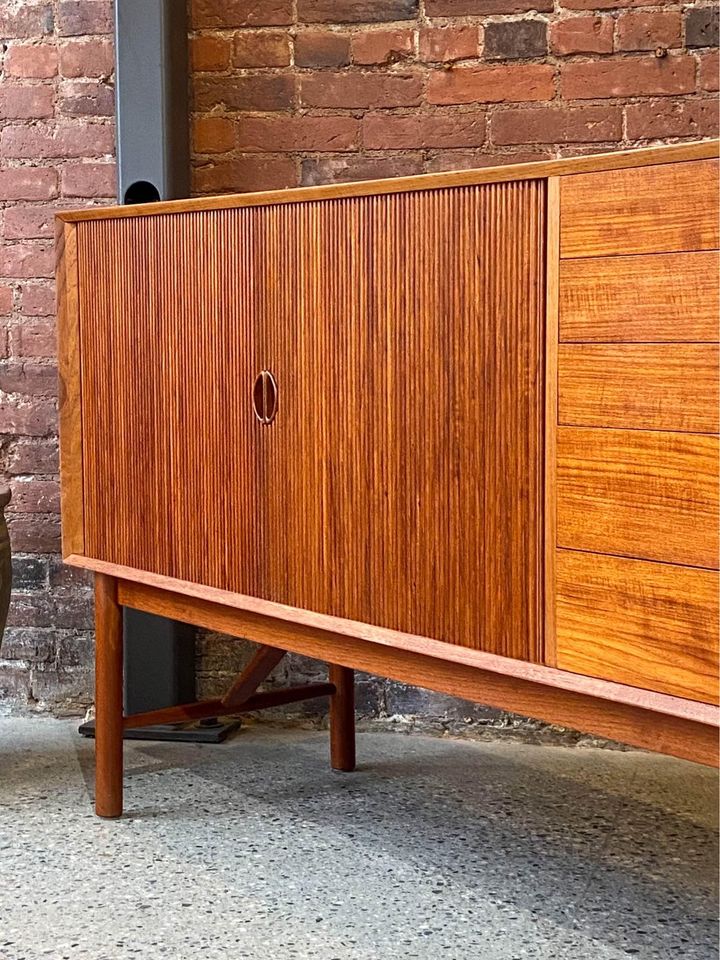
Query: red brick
(79, 17)
(26, 20)
(29, 378)
(88, 180)
(213, 134)
(443, 128)
(445, 44)
(647, 77)
(709, 72)
(361, 90)
(582, 35)
(261, 49)
(38, 300)
(66, 139)
(289, 134)
(29, 259)
(441, 160)
(556, 125)
(605, 4)
(30, 419)
(29, 223)
(86, 99)
(6, 300)
(492, 84)
(641, 30)
(660, 119)
(35, 535)
(322, 49)
(25, 102)
(225, 14)
(383, 46)
(357, 167)
(34, 338)
(259, 92)
(355, 11)
(246, 174)
(35, 496)
(483, 8)
(209, 53)
(32, 456)
(34, 60)
(86, 58)
(28, 183)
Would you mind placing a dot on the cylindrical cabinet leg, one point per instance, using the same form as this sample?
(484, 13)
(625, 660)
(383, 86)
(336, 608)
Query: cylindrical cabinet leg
(108, 699)
(342, 719)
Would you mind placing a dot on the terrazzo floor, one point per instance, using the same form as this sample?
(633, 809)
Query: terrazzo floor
(448, 849)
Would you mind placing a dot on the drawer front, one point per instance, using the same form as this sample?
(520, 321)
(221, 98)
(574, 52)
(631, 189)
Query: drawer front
(652, 625)
(657, 209)
(667, 386)
(653, 297)
(638, 493)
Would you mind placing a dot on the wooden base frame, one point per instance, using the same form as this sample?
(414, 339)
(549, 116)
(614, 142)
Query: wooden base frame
(241, 698)
(642, 718)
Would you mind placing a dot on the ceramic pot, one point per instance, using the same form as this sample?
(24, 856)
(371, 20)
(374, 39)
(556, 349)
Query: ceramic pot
(5, 566)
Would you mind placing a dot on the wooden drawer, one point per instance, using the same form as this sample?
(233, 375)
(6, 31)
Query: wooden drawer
(655, 297)
(666, 386)
(638, 493)
(651, 625)
(664, 208)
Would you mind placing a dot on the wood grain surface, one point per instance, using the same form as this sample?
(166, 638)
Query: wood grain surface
(70, 398)
(644, 298)
(652, 625)
(551, 414)
(637, 493)
(669, 153)
(108, 698)
(642, 717)
(401, 481)
(658, 209)
(666, 386)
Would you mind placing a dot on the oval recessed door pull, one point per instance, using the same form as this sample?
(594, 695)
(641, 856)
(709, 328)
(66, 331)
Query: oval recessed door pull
(265, 397)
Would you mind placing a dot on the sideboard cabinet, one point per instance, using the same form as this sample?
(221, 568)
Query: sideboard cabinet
(460, 430)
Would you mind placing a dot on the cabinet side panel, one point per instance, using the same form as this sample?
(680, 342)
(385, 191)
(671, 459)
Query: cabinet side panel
(70, 408)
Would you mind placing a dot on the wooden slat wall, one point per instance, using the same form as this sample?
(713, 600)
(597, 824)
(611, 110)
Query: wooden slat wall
(400, 483)
(637, 446)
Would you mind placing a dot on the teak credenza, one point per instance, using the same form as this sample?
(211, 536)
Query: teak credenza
(460, 430)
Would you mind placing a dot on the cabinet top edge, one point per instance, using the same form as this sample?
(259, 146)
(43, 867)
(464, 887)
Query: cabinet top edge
(537, 170)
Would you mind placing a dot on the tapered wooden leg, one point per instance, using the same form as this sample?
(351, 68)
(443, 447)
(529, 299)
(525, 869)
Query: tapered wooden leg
(108, 699)
(342, 718)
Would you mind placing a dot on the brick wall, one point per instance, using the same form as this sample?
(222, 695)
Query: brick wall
(56, 150)
(289, 92)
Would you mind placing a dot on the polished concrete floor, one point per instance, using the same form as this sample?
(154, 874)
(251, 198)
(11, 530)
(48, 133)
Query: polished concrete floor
(435, 848)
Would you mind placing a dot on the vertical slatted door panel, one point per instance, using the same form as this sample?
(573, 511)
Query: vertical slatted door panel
(167, 348)
(403, 470)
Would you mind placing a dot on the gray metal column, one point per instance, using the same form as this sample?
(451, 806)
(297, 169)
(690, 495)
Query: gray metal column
(151, 100)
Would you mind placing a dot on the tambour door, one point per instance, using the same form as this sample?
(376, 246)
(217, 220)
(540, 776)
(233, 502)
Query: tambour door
(335, 405)
(169, 310)
(402, 473)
